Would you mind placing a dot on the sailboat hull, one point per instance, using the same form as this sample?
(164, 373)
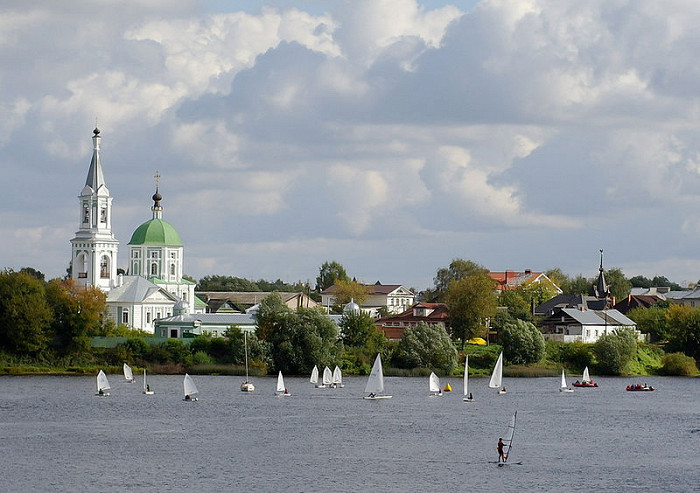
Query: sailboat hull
(148, 392)
(566, 391)
(376, 397)
(247, 387)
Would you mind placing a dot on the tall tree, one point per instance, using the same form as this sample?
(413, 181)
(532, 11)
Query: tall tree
(349, 290)
(618, 283)
(357, 329)
(426, 346)
(25, 316)
(458, 270)
(472, 303)
(330, 273)
(522, 342)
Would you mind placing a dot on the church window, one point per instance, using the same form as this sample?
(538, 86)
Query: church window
(103, 215)
(172, 269)
(154, 254)
(173, 255)
(134, 254)
(104, 267)
(82, 266)
(154, 269)
(135, 269)
(86, 213)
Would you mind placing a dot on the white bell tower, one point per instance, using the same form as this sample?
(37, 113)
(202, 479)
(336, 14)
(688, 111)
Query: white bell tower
(94, 256)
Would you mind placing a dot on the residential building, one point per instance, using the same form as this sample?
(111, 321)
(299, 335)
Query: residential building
(393, 298)
(573, 324)
(241, 301)
(509, 280)
(433, 314)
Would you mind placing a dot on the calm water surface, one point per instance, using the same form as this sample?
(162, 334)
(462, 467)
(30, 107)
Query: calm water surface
(56, 435)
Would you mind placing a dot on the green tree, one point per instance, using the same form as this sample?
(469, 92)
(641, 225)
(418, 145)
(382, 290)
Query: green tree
(684, 330)
(522, 342)
(615, 351)
(459, 269)
(472, 302)
(517, 305)
(618, 284)
(426, 346)
(678, 364)
(78, 312)
(270, 316)
(25, 316)
(329, 274)
(358, 329)
(652, 321)
(347, 291)
(578, 285)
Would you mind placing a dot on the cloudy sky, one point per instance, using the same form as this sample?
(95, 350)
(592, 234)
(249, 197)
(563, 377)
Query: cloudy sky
(389, 135)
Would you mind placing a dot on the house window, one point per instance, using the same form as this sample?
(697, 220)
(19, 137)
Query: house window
(148, 317)
(125, 317)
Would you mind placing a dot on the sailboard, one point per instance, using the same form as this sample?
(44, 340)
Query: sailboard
(508, 442)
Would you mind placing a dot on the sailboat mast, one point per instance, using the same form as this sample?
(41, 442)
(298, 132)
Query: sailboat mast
(245, 344)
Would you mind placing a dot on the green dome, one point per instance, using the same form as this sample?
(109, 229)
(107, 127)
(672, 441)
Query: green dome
(156, 232)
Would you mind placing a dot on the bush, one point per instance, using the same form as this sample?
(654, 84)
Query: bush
(426, 346)
(201, 358)
(678, 364)
(576, 355)
(522, 342)
(615, 351)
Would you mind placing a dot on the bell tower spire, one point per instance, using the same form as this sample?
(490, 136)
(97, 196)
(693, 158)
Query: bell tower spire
(94, 257)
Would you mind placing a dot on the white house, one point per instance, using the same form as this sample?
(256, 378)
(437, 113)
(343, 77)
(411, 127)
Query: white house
(572, 324)
(395, 298)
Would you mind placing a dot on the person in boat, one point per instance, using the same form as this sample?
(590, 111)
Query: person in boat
(577, 381)
(470, 396)
(372, 394)
(148, 387)
(188, 398)
(500, 450)
(503, 389)
(101, 392)
(286, 391)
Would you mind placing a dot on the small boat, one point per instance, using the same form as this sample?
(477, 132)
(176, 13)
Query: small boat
(337, 378)
(314, 378)
(327, 377)
(102, 384)
(146, 388)
(640, 388)
(508, 443)
(246, 386)
(496, 381)
(375, 382)
(563, 387)
(467, 394)
(189, 388)
(282, 391)
(435, 385)
(128, 374)
(585, 380)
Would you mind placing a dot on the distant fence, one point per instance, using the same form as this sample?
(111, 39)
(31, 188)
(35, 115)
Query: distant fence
(112, 342)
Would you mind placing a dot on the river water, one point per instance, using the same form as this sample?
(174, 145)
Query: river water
(56, 435)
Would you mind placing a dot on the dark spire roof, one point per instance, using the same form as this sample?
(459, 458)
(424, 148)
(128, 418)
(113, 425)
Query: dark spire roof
(601, 288)
(95, 178)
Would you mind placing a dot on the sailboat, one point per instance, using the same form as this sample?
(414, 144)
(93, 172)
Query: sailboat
(146, 388)
(497, 376)
(467, 394)
(435, 385)
(327, 377)
(128, 374)
(246, 386)
(375, 382)
(337, 378)
(102, 384)
(314, 378)
(190, 388)
(563, 387)
(281, 389)
(585, 381)
(508, 443)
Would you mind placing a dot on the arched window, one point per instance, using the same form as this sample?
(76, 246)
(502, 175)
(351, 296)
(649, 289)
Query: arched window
(104, 267)
(172, 269)
(82, 266)
(154, 269)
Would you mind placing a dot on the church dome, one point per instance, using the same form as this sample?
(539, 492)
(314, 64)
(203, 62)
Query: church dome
(351, 307)
(156, 232)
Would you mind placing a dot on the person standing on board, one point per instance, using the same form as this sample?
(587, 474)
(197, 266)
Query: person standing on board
(500, 450)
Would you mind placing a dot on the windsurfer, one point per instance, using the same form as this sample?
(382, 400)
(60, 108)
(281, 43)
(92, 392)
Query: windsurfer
(500, 450)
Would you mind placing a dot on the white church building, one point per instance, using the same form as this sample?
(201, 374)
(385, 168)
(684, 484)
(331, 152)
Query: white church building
(154, 284)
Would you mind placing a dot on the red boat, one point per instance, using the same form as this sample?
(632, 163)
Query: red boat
(590, 383)
(640, 388)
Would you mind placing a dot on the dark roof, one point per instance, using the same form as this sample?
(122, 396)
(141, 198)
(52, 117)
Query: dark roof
(370, 288)
(440, 312)
(636, 301)
(579, 301)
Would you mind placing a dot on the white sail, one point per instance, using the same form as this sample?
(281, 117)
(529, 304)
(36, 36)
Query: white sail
(337, 377)
(509, 441)
(327, 376)
(189, 387)
(280, 382)
(466, 376)
(128, 374)
(314, 375)
(246, 386)
(586, 377)
(146, 388)
(102, 382)
(497, 375)
(434, 383)
(563, 379)
(375, 382)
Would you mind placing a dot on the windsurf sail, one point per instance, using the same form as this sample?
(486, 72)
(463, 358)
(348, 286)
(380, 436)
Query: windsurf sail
(508, 442)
